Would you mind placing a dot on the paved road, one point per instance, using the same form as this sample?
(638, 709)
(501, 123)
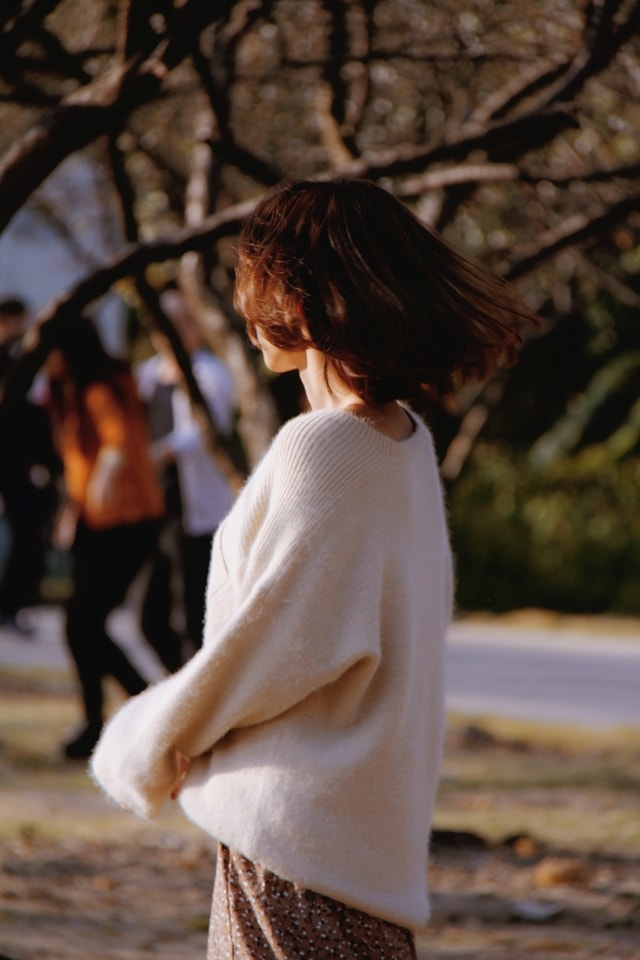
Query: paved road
(544, 675)
(541, 675)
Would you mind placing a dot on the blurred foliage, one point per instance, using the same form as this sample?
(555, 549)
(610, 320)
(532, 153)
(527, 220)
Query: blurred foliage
(547, 509)
(565, 538)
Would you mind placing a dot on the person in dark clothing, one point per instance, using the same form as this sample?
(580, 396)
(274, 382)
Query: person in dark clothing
(29, 469)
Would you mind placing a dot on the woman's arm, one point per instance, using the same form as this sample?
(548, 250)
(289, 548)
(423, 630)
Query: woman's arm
(303, 616)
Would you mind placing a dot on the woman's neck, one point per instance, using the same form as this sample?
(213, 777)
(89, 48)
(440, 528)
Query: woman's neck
(325, 391)
(323, 387)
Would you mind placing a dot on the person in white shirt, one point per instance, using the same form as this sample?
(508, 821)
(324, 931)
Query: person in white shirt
(196, 492)
(306, 734)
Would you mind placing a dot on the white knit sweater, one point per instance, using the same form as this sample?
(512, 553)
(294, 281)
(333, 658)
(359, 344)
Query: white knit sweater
(315, 708)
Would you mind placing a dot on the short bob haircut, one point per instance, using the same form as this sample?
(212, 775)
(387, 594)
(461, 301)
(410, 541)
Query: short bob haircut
(344, 267)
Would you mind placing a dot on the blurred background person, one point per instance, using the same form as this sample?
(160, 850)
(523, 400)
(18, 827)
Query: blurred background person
(102, 438)
(196, 493)
(29, 471)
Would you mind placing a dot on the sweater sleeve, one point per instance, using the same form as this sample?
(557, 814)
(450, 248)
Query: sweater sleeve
(298, 621)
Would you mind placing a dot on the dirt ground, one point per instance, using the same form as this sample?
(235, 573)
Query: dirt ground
(536, 849)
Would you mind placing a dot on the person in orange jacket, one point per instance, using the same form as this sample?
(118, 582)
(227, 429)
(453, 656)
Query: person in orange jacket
(101, 434)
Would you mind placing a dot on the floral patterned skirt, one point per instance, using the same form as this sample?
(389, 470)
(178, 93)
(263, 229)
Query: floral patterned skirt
(257, 915)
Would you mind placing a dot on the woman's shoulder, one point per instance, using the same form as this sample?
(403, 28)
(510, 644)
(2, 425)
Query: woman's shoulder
(310, 424)
(318, 436)
(326, 453)
(317, 429)
(338, 433)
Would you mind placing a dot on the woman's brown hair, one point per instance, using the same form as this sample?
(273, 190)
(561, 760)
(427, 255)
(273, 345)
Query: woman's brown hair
(85, 362)
(346, 268)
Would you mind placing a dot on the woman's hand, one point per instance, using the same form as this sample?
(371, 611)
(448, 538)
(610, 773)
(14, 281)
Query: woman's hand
(183, 770)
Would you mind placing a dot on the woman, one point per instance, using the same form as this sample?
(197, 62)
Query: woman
(101, 434)
(306, 734)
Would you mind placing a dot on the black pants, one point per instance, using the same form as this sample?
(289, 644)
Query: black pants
(179, 571)
(196, 556)
(159, 601)
(105, 564)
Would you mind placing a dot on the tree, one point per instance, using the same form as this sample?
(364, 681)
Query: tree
(513, 131)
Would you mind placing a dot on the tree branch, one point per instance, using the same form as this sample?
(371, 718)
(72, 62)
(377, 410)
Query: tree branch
(219, 449)
(555, 86)
(573, 231)
(476, 173)
(463, 173)
(129, 263)
(520, 134)
(60, 59)
(332, 94)
(602, 41)
(81, 117)
(216, 74)
(99, 108)
(10, 9)
(27, 19)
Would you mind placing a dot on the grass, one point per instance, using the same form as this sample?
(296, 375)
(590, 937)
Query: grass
(568, 787)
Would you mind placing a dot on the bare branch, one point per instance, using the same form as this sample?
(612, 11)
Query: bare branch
(621, 291)
(217, 71)
(570, 232)
(81, 118)
(130, 262)
(218, 447)
(216, 75)
(522, 85)
(476, 173)
(332, 94)
(99, 108)
(458, 450)
(602, 42)
(517, 135)
(173, 179)
(9, 10)
(27, 19)
(228, 151)
(554, 86)
(29, 95)
(361, 32)
(338, 152)
(135, 34)
(464, 173)
(60, 60)
(257, 421)
(628, 171)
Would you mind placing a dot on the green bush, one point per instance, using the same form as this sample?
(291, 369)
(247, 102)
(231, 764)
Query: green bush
(565, 538)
